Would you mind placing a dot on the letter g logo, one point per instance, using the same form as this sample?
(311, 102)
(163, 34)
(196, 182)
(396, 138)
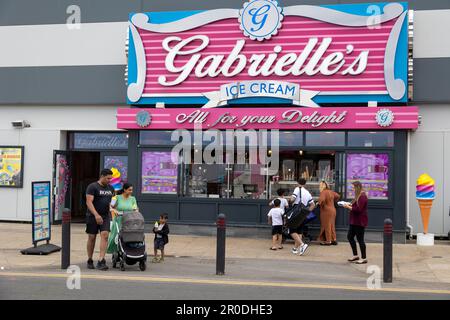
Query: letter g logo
(260, 19)
(384, 117)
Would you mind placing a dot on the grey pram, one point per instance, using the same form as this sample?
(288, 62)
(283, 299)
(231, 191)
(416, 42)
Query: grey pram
(131, 244)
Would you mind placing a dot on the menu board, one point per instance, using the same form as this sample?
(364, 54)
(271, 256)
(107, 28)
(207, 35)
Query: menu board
(11, 167)
(159, 172)
(372, 170)
(41, 211)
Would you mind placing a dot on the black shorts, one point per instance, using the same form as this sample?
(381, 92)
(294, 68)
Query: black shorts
(93, 228)
(159, 244)
(277, 230)
(298, 230)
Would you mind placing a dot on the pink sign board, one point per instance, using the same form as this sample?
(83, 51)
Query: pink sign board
(316, 53)
(375, 118)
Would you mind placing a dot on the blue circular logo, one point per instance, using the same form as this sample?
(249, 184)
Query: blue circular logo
(260, 19)
(384, 117)
(143, 119)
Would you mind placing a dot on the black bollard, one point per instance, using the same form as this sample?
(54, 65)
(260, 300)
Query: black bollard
(65, 239)
(220, 252)
(387, 251)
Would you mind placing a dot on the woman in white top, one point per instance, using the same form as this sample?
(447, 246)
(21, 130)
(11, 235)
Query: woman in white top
(303, 195)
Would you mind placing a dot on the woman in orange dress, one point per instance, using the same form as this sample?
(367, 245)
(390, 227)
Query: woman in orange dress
(327, 199)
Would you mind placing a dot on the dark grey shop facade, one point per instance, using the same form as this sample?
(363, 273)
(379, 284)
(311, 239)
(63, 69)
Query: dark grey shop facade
(244, 198)
(332, 84)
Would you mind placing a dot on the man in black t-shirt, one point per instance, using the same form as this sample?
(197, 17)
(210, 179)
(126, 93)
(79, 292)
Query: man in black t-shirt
(98, 216)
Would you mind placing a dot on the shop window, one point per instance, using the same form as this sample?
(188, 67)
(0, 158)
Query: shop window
(372, 170)
(248, 181)
(325, 139)
(288, 138)
(230, 179)
(206, 181)
(371, 139)
(159, 172)
(312, 166)
(156, 137)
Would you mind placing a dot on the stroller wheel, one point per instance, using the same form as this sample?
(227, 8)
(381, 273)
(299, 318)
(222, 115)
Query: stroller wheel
(142, 265)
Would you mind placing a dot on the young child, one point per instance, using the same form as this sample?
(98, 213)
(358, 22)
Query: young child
(275, 218)
(284, 204)
(161, 231)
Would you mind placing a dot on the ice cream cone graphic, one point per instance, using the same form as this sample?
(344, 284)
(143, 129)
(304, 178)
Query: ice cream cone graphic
(425, 196)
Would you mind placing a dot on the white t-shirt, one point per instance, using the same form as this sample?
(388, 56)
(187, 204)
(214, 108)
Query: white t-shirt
(277, 216)
(283, 205)
(306, 196)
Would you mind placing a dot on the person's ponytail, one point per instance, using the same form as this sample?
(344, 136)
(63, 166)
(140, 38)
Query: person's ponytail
(124, 187)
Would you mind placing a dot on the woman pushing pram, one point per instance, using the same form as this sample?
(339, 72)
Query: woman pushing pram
(126, 240)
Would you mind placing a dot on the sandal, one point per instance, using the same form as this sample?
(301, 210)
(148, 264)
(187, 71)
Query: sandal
(272, 248)
(280, 248)
(325, 243)
(353, 259)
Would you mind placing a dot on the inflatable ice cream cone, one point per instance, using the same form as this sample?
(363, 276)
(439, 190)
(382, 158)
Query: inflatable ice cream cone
(425, 209)
(425, 195)
(116, 180)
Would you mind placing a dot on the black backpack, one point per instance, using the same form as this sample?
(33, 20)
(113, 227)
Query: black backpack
(297, 214)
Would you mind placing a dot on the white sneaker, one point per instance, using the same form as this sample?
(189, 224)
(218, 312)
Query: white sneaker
(294, 250)
(303, 249)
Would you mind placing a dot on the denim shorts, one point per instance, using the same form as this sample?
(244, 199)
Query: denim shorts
(159, 244)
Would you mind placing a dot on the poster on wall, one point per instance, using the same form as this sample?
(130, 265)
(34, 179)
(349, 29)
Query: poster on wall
(11, 166)
(159, 172)
(372, 170)
(119, 167)
(41, 211)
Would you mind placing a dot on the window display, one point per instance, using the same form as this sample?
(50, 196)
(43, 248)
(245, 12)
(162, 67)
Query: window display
(372, 170)
(159, 172)
(206, 181)
(312, 166)
(248, 181)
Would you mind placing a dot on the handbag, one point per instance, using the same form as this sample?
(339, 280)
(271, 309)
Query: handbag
(296, 215)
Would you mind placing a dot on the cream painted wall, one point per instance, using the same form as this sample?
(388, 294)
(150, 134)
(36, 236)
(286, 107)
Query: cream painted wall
(430, 153)
(39, 146)
(47, 133)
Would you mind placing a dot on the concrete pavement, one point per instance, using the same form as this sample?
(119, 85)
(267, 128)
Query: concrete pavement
(192, 257)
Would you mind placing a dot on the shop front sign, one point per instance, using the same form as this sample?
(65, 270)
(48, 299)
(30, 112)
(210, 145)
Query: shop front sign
(272, 118)
(263, 53)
